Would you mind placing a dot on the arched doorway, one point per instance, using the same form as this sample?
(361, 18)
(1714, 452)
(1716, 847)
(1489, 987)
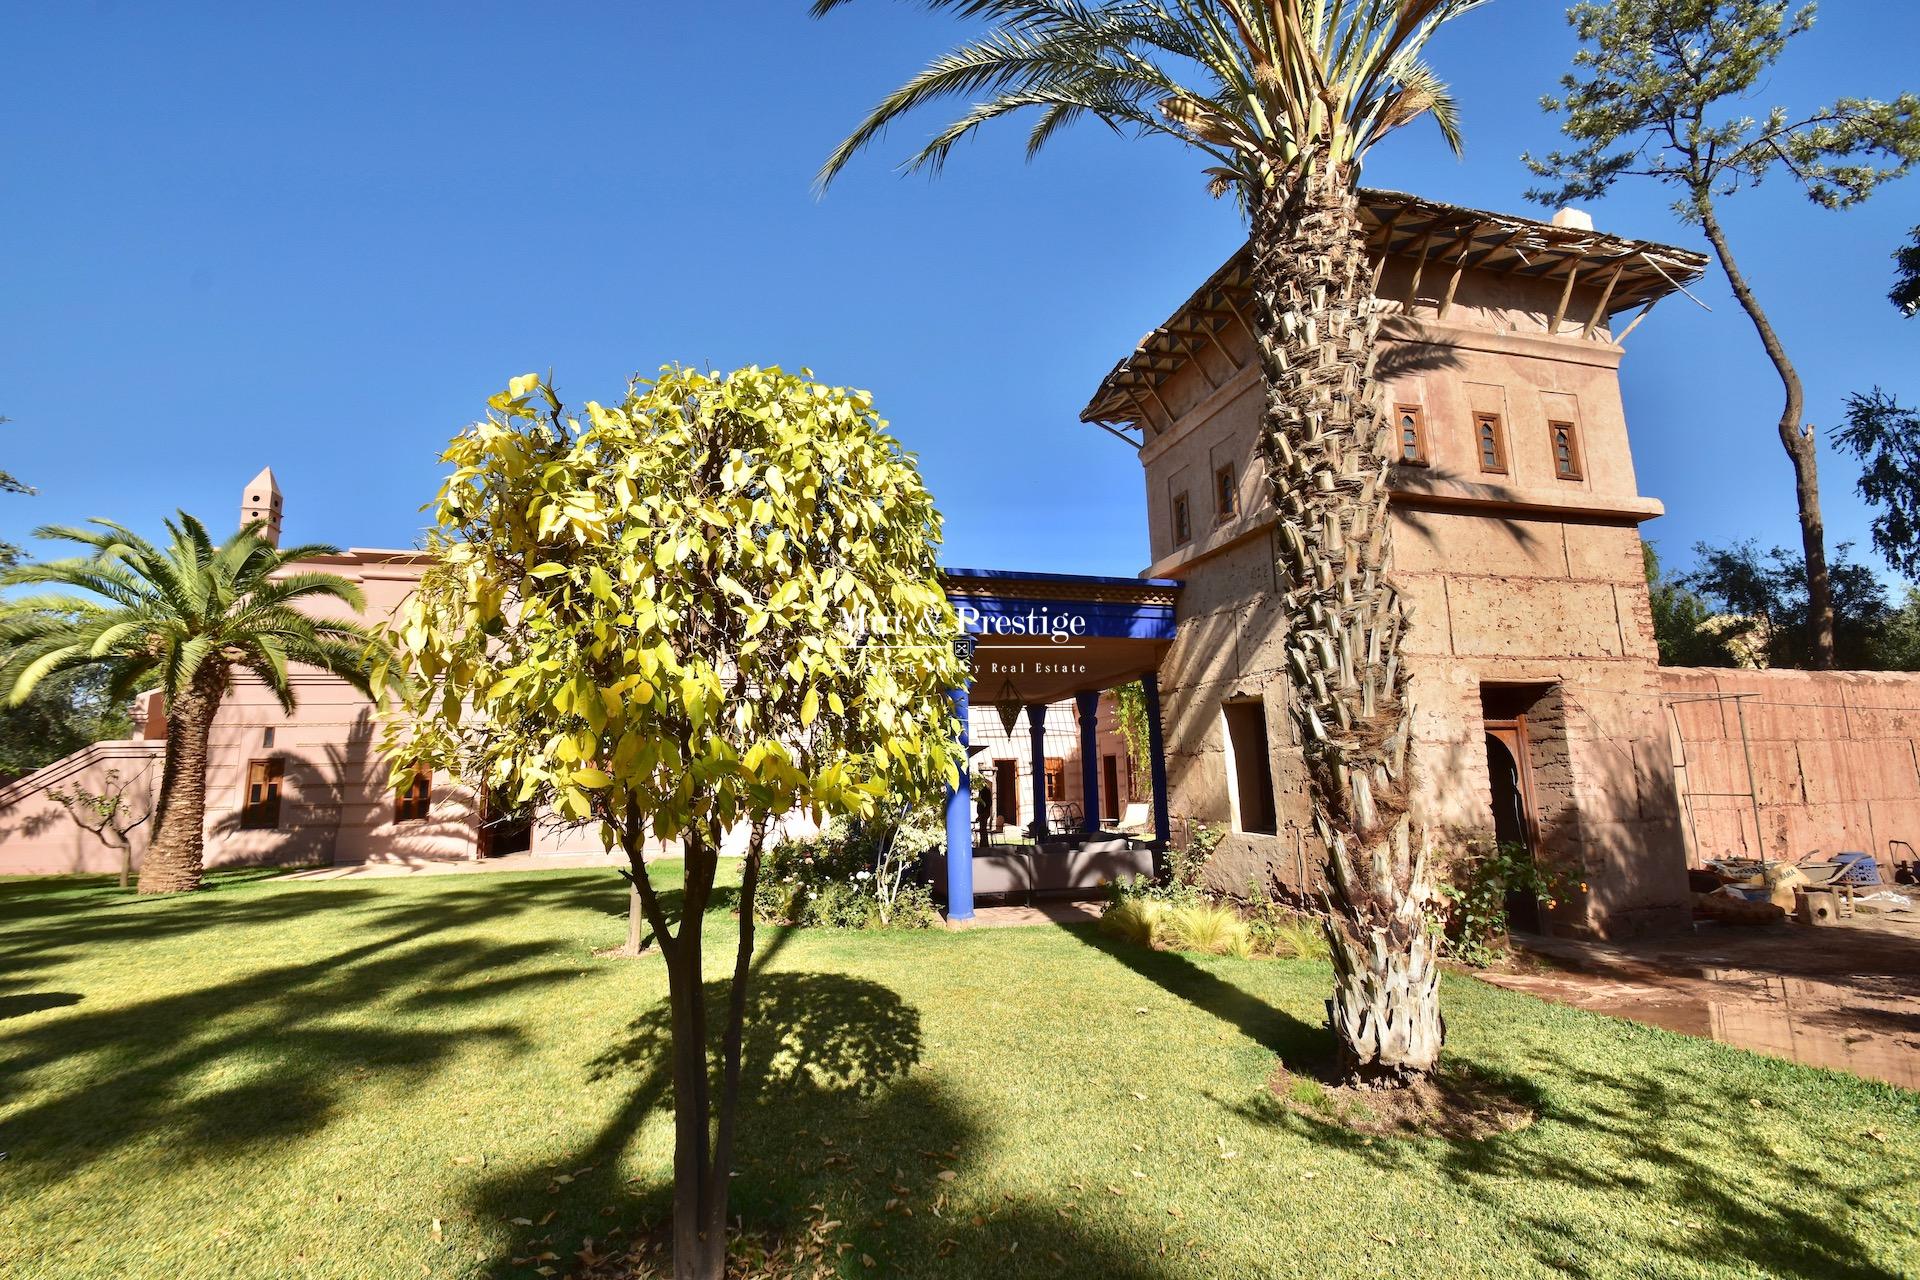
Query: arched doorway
(1512, 787)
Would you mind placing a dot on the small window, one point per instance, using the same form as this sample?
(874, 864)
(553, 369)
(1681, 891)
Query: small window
(412, 804)
(1491, 439)
(1226, 499)
(1411, 422)
(266, 737)
(1056, 778)
(1566, 450)
(260, 810)
(1182, 521)
(1253, 801)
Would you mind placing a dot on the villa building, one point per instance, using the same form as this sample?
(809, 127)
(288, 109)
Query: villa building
(1534, 670)
(1542, 716)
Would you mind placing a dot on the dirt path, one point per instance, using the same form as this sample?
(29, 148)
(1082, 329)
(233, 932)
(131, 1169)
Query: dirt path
(1845, 996)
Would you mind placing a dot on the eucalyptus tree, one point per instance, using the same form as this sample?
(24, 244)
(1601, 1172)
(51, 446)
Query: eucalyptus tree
(184, 618)
(1284, 98)
(1658, 92)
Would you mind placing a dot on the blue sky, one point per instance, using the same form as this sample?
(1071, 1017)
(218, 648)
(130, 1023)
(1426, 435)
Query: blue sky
(318, 236)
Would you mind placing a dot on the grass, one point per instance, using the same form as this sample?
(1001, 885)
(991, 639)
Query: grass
(438, 1077)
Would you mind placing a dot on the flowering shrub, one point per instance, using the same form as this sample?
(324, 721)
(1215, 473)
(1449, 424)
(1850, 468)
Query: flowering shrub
(851, 876)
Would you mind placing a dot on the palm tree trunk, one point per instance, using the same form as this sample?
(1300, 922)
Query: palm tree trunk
(173, 861)
(1797, 438)
(1324, 437)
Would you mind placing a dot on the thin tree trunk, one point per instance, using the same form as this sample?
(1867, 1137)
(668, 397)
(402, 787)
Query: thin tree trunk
(1324, 437)
(173, 861)
(722, 1167)
(1798, 440)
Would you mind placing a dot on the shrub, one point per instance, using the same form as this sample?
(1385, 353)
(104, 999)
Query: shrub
(1295, 937)
(1187, 866)
(1134, 920)
(851, 876)
(1215, 930)
(1280, 930)
(1480, 875)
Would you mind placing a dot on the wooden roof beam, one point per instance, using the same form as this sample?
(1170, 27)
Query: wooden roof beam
(1419, 267)
(1621, 338)
(1566, 296)
(1453, 280)
(1600, 308)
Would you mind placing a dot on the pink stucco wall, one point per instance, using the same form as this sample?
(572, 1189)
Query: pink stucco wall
(1836, 761)
(335, 807)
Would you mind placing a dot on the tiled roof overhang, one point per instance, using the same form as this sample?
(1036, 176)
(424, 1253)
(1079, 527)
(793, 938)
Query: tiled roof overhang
(1449, 237)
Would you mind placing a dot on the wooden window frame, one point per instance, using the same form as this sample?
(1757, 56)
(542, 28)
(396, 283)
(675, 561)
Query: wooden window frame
(1226, 497)
(262, 813)
(1182, 519)
(1501, 466)
(1576, 463)
(416, 802)
(1056, 771)
(1421, 456)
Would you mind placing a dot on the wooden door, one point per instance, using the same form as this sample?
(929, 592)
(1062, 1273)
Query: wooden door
(1514, 820)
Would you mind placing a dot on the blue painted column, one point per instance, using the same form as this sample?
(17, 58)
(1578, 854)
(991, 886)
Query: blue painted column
(1037, 738)
(960, 826)
(1088, 704)
(1157, 753)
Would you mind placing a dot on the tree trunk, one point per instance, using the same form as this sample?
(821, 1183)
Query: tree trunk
(1797, 438)
(699, 1199)
(173, 861)
(722, 1167)
(1324, 437)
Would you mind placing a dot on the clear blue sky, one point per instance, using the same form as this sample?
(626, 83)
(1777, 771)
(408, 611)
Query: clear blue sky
(318, 236)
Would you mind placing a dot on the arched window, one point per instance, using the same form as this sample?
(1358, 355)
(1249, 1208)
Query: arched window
(1490, 437)
(1411, 423)
(1565, 438)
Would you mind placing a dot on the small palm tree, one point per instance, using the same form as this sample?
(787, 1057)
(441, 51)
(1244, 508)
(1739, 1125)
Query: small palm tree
(1285, 97)
(183, 618)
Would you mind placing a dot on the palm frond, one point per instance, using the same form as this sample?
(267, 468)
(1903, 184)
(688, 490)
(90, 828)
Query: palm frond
(1263, 87)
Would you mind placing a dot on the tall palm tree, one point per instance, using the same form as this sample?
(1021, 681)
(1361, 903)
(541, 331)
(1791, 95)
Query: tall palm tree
(183, 618)
(1285, 97)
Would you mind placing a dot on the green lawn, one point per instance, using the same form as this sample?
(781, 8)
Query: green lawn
(275, 1079)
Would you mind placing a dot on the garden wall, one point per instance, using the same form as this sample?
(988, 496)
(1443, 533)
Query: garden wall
(1836, 761)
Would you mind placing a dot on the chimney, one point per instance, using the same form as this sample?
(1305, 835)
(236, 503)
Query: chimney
(1573, 219)
(261, 501)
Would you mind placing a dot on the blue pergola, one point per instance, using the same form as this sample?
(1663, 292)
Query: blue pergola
(1038, 639)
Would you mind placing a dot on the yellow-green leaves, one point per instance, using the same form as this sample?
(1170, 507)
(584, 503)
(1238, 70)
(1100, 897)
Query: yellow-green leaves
(715, 601)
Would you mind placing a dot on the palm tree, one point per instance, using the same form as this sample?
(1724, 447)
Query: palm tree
(183, 618)
(1285, 97)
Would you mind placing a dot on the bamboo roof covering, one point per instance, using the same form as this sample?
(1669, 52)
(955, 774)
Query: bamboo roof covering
(1448, 238)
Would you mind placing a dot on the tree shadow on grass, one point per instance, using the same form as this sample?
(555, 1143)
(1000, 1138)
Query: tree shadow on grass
(49, 923)
(1297, 1044)
(1649, 1134)
(293, 1038)
(844, 1141)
